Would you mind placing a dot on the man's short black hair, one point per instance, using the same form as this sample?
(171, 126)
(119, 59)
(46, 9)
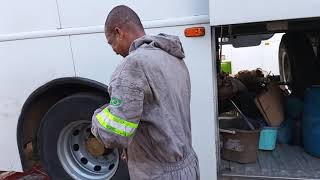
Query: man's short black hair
(121, 16)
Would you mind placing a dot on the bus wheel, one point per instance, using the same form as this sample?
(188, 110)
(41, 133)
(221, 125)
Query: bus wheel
(297, 63)
(67, 148)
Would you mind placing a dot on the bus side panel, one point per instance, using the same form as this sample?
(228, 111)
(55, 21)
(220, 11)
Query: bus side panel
(32, 15)
(224, 12)
(83, 13)
(100, 63)
(25, 66)
(94, 58)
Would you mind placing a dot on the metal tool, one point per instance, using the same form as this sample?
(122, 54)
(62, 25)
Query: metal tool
(244, 116)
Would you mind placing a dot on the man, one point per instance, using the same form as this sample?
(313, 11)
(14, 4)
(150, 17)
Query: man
(149, 111)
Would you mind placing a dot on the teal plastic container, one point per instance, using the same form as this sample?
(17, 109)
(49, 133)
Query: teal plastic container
(268, 138)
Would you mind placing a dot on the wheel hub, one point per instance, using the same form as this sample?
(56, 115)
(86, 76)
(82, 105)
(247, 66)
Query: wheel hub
(83, 156)
(94, 147)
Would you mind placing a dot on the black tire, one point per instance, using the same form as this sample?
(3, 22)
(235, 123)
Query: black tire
(297, 63)
(68, 110)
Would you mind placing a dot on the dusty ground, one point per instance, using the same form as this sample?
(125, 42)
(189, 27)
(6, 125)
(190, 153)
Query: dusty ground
(36, 173)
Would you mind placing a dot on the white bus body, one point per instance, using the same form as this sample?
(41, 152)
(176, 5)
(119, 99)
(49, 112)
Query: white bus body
(41, 41)
(54, 44)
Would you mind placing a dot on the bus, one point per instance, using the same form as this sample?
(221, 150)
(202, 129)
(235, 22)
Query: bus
(45, 111)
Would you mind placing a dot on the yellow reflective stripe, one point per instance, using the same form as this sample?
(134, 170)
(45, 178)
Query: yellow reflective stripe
(116, 124)
(112, 129)
(119, 120)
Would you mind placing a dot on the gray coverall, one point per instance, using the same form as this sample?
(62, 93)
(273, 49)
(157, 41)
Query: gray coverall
(149, 111)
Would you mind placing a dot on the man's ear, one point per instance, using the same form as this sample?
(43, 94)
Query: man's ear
(119, 33)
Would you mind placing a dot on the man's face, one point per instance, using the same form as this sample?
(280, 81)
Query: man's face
(118, 41)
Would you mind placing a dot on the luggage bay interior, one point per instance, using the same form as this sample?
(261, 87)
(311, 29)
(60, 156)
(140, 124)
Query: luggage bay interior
(283, 114)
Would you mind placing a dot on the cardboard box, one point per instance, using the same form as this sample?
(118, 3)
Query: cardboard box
(270, 104)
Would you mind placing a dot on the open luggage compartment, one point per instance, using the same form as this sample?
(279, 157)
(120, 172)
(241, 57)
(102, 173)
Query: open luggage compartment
(289, 160)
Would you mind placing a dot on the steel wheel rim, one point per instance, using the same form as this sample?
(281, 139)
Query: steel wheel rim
(286, 69)
(75, 158)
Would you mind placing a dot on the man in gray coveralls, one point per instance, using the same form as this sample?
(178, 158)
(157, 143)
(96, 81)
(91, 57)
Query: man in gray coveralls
(149, 111)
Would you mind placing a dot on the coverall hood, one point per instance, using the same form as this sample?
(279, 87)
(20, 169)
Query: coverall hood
(168, 43)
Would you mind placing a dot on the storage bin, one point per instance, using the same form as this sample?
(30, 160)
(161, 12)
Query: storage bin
(239, 144)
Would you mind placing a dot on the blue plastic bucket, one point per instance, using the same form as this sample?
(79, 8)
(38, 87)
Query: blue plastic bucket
(285, 132)
(293, 110)
(311, 121)
(268, 138)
